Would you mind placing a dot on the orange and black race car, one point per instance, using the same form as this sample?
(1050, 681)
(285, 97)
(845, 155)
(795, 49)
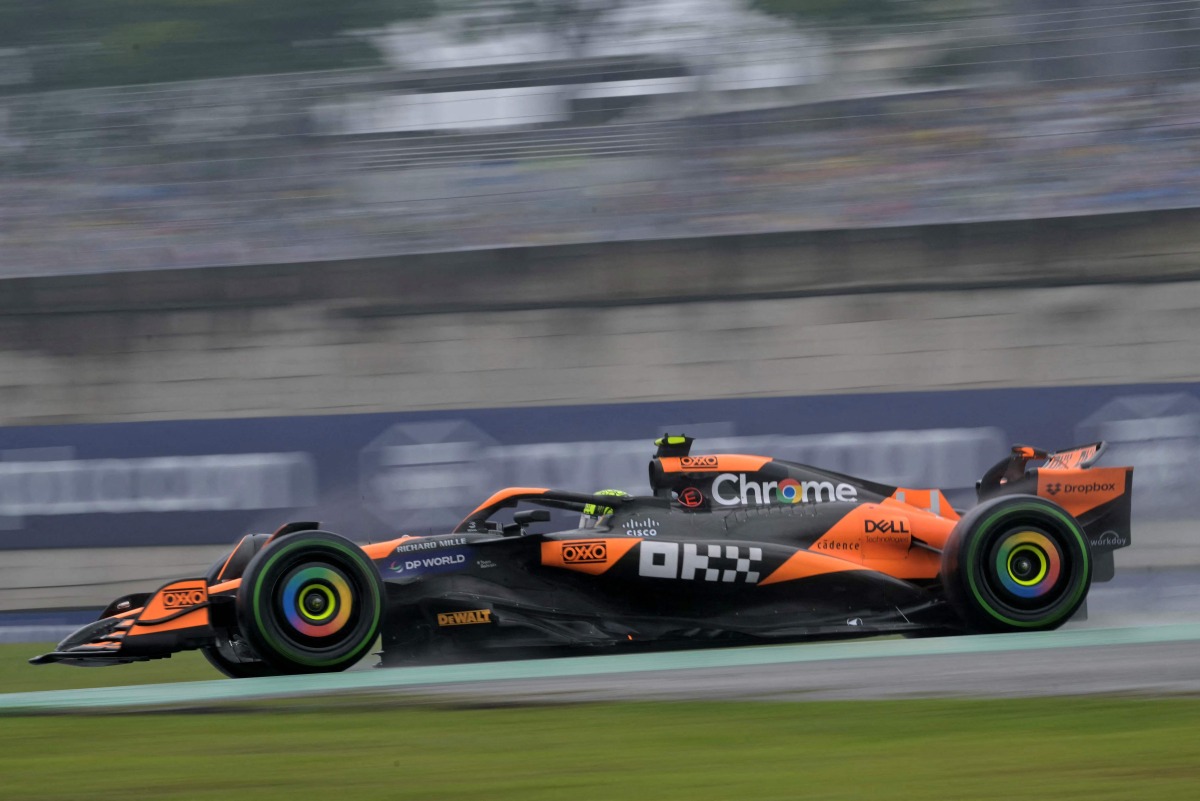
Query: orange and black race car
(727, 549)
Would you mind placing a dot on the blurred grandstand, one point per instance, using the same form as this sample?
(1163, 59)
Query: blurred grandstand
(635, 120)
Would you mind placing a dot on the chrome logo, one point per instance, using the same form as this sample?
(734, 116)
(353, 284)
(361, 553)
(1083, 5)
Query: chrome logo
(1028, 564)
(317, 601)
(788, 491)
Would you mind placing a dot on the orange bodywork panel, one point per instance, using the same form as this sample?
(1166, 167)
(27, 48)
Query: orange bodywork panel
(725, 463)
(225, 586)
(881, 537)
(931, 529)
(931, 500)
(1081, 490)
(920, 563)
(874, 536)
(594, 556)
(1067, 460)
(378, 550)
(181, 605)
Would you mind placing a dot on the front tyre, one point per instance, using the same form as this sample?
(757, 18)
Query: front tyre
(310, 602)
(1017, 563)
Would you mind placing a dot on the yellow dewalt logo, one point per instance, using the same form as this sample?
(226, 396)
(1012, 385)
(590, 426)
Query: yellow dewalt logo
(465, 618)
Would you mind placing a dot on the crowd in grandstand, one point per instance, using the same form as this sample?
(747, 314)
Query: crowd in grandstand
(123, 187)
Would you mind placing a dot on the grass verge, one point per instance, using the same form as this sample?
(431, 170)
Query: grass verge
(1060, 748)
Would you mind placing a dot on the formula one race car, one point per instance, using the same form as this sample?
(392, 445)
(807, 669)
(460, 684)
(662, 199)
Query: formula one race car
(728, 549)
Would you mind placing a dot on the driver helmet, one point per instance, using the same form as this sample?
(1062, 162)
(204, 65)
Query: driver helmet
(593, 513)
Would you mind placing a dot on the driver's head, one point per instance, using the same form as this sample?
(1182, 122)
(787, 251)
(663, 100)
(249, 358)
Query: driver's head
(593, 513)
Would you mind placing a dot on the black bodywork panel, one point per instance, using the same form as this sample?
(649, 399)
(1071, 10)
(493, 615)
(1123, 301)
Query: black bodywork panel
(689, 575)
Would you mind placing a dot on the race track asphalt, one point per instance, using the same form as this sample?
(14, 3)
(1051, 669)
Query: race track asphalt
(1160, 669)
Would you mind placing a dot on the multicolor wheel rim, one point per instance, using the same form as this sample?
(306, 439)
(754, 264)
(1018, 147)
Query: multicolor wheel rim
(1028, 564)
(317, 601)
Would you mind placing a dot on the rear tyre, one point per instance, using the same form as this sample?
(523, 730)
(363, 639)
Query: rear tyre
(310, 602)
(1017, 563)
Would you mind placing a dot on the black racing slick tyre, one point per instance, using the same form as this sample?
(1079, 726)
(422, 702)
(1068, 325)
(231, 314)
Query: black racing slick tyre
(310, 602)
(1016, 563)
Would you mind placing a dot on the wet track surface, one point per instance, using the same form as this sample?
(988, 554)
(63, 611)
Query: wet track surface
(1142, 638)
(1168, 668)
(1144, 600)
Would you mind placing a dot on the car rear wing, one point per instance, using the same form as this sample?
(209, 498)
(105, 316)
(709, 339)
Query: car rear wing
(1100, 498)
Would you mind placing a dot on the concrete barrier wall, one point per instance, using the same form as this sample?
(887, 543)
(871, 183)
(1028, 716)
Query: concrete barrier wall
(879, 310)
(310, 359)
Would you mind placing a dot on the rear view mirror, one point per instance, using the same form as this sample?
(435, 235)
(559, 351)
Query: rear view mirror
(528, 516)
(523, 519)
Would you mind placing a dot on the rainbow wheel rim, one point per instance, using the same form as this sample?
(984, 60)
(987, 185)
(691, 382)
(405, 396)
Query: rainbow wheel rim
(317, 601)
(1028, 564)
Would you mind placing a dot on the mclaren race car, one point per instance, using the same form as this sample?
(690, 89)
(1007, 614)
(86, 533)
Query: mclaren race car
(726, 549)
